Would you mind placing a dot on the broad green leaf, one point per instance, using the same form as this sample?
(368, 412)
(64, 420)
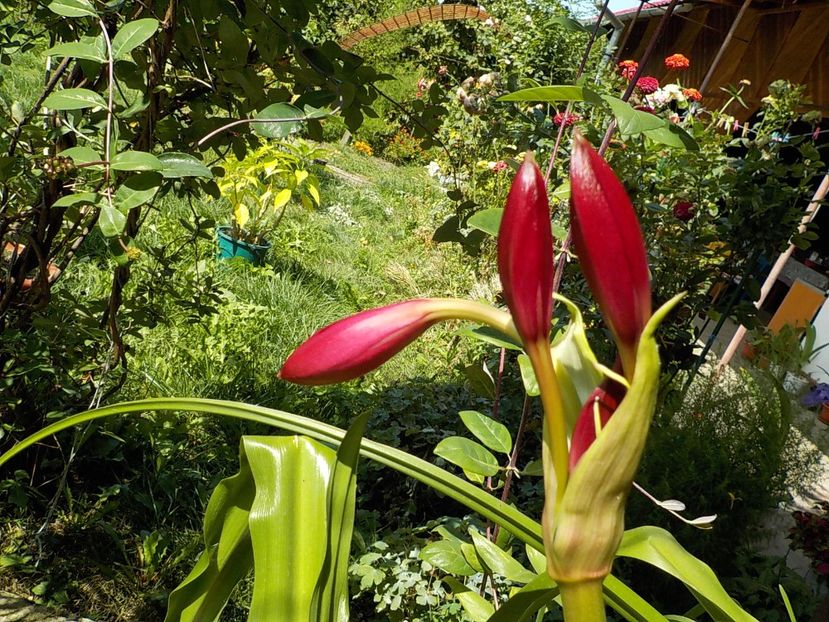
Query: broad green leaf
(499, 561)
(135, 161)
(468, 455)
(281, 199)
(659, 548)
(330, 601)
(487, 220)
(537, 559)
(278, 129)
(74, 99)
(534, 468)
(227, 557)
(631, 121)
(287, 523)
(313, 189)
(175, 165)
(478, 608)
(673, 136)
(533, 597)
(447, 555)
(555, 93)
(111, 222)
(82, 154)
(73, 8)
(131, 35)
(137, 190)
(531, 387)
(562, 192)
(90, 198)
(480, 379)
(491, 433)
(77, 50)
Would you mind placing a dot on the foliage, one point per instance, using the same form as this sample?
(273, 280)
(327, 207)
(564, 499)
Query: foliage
(260, 187)
(810, 534)
(736, 434)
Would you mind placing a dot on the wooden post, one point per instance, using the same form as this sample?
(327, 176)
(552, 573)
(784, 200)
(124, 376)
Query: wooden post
(724, 45)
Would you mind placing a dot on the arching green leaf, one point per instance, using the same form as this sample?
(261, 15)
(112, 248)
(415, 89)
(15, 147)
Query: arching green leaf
(131, 35)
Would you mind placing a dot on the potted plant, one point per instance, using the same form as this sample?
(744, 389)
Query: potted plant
(259, 189)
(818, 396)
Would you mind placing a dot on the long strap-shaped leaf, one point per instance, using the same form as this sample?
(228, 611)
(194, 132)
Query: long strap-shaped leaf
(619, 596)
(416, 17)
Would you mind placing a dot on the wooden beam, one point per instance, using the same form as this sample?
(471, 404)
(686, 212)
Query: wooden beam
(688, 35)
(735, 25)
(641, 46)
(800, 48)
(733, 55)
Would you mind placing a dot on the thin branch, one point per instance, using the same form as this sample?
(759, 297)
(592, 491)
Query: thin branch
(245, 121)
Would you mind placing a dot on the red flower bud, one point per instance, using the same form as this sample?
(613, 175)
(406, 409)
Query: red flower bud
(610, 247)
(606, 397)
(683, 210)
(525, 254)
(360, 343)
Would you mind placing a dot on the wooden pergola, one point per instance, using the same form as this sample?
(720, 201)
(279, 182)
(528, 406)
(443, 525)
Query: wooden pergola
(732, 40)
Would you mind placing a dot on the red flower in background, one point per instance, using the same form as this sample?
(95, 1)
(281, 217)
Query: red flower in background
(566, 118)
(628, 69)
(692, 94)
(647, 85)
(684, 211)
(677, 62)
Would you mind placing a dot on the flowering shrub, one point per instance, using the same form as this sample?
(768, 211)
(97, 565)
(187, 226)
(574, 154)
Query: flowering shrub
(363, 147)
(403, 148)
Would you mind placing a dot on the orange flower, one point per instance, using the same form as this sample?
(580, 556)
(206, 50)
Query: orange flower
(628, 69)
(677, 62)
(692, 94)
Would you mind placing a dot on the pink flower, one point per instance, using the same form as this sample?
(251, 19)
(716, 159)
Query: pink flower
(358, 344)
(610, 247)
(499, 166)
(525, 254)
(644, 108)
(647, 85)
(683, 210)
(566, 118)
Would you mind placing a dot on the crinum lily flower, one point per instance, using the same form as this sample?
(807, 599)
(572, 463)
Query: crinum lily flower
(595, 419)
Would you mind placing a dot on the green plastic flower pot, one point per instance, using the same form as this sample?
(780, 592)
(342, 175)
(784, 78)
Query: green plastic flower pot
(231, 247)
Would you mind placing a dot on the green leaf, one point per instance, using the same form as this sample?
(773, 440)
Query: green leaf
(478, 608)
(659, 548)
(131, 35)
(491, 433)
(631, 121)
(499, 561)
(487, 220)
(330, 600)
(90, 198)
(81, 154)
(73, 8)
(537, 559)
(468, 455)
(278, 129)
(77, 50)
(528, 376)
(137, 190)
(555, 93)
(227, 557)
(673, 136)
(135, 161)
(570, 24)
(175, 165)
(618, 595)
(74, 99)
(447, 555)
(787, 603)
(533, 597)
(480, 379)
(491, 335)
(111, 222)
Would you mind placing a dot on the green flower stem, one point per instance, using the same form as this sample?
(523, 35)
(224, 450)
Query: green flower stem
(583, 601)
(551, 402)
(458, 309)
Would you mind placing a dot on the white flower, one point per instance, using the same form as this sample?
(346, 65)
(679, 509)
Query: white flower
(528, 19)
(433, 168)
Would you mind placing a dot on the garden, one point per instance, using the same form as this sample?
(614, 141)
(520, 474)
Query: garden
(359, 311)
